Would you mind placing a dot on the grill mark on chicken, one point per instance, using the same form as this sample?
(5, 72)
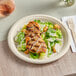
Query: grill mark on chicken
(36, 46)
(30, 30)
(36, 27)
(43, 47)
(33, 39)
(35, 43)
(31, 35)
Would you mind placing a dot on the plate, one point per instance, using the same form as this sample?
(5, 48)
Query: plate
(20, 23)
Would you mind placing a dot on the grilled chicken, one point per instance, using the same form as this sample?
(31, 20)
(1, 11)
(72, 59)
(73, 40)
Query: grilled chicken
(34, 42)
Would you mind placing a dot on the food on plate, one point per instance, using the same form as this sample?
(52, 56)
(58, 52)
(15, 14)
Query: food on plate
(39, 39)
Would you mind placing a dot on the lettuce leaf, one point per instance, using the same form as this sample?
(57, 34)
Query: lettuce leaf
(48, 33)
(34, 55)
(43, 36)
(50, 51)
(19, 37)
(42, 55)
(22, 47)
(58, 34)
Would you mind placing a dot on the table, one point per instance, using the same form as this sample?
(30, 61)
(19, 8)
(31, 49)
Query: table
(10, 65)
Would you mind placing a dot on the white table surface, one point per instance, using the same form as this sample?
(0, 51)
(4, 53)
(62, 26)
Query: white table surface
(28, 7)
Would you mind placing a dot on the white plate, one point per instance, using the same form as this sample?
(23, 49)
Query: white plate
(19, 24)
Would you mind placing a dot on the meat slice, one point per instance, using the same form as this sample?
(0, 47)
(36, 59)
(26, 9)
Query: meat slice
(34, 41)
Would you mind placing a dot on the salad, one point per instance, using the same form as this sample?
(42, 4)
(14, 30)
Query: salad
(38, 39)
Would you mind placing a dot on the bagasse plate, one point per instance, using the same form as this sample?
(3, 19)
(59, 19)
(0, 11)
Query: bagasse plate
(19, 24)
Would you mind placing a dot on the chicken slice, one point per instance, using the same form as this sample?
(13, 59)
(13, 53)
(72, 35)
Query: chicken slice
(34, 41)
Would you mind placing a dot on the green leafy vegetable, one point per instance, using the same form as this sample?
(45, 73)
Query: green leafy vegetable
(52, 30)
(45, 23)
(22, 47)
(42, 55)
(53, 38)
(19, 38)
(58, 33)
(38, 21)
(49, 24)
(52, 44)
(43, 36)
(46, 41)
(58, 41)
(50, 51)
(35, 20)
(48, 33)
(34, 55)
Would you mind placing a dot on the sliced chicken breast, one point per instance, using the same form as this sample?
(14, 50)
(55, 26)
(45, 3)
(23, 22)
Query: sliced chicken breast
(34, 41)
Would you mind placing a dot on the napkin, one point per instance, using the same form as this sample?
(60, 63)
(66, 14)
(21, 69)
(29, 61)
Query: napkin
(64, 20)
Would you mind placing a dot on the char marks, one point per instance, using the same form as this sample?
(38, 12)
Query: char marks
(34, 42)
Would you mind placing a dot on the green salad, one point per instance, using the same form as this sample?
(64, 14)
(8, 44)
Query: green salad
(38, 39)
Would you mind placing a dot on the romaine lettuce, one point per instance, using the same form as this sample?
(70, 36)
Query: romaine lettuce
(34, 55)
(42, 55)
(20, 37)
(22, 47)
(58, 33)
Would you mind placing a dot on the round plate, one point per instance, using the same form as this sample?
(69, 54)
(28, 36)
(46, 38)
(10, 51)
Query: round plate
(19, 24)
